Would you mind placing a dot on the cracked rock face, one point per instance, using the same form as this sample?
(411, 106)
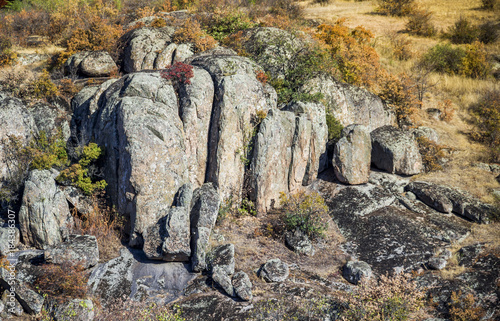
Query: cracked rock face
(82, 249)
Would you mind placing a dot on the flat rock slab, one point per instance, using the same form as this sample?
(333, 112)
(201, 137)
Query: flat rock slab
(386, 235)
(133, 275)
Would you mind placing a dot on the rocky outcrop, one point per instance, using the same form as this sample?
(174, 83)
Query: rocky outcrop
(91, 64)
(139, 127)
(77, 249)
(15, 121)
(446, 200)
(75, 310)
(395, 151)
(204, 211)
(30, 301)
(152, 48)
(50, 119)
(44, 217)
(9, 239)
(132, 275)
(352, 155)
(299, 242)
(350, 104)
(355, 271)
(169, 239)
(222, 267)
(426, 132)
(274, 271)
(238, 97)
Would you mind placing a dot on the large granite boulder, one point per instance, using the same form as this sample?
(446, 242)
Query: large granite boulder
(169, 239)
(138, 125)
(51, 119)
(204, 211)
(352, 155)
(395, 151)
(91, 64)
(16, 121)
(44, 217)
(77, 249)
(350, 104)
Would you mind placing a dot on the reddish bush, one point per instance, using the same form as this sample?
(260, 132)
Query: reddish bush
(179, 72)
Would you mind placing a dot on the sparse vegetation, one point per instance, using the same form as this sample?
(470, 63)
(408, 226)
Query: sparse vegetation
(432, 154)
(62, 281)
(463, 308)
(486, 113)
(179, 73)
(419, 23)
(396, 7)
(463, 31)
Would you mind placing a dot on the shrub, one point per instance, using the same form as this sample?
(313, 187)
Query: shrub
(390, 298)
(486, 115)
(334, 128)
(305, 212)
(247, 207)
(191, 32)
(419, 23)
(62, 281)
(322, 2)
(488, 4)
(463, 32)
(158, 23)
(221, 25)
(127, 309)
(179, 72)
(432, 154)
(395, 7)
(488, 32)
(447, 110)
(400, 93)
(356, 61)
(444, 58)
(43, 87)
(401, 47)
(475, 62)
(285, 8)
(463, 308)
(7, 56)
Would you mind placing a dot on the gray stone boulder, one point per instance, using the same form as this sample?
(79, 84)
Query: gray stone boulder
(51, 120)
(447, 200)
(91, 64)
(274, 271)
(9, 239)
(242, 286)
(30, 301)
(204, 211)
(437, 263)
(355, 271)
(146, 160)
(395, 151)
(238, 97)
(133, 276)
(426, 132)
(77, 199)
(77, 249)
(298, 242)
(352, 155)
(222, 267)
(75, 310)
(169, 239)
(16, 121)
(44, 217)
(350, 104)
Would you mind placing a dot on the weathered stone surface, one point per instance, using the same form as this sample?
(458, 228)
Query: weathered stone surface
(72, 64)
(51, 120)
(395, 151)
(309, 155)
(391, 182)
(238, 97)
(196, 101)
(30, 301)
(9, 239)
(77, 199)
(138, 125)
(133, 275)
(76, 309)
(15, 120)
(242, 286)
(352, 155)
(431, 195)
(204, 211)
(350, 104)
(214, 305)
(274, 271)
(437, 263)
(386, 235)
(447, 200)
(97, 64)
(298, 242)
(426, 132)
(272, 158)
(44, 217)
(169, 239)
(221, 278)
(143, 48)
(354, 271)
(80, 249)
(222, 257)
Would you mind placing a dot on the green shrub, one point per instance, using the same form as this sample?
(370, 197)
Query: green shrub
(395, 7)
(247, 207)
(486, 113)
(43, 87)
(488, 32)
(220, 26)
(463, 32)
(488, 4)
(305, 212)
(334, 128)
(419, 23)
(444, 58)
(475, 62)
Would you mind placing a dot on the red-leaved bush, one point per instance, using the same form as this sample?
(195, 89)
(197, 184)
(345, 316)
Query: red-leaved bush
(179, 72)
